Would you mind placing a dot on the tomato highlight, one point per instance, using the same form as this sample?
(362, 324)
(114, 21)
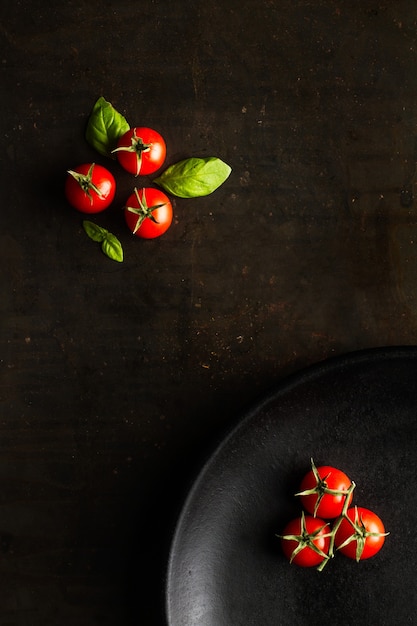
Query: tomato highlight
(90, 188)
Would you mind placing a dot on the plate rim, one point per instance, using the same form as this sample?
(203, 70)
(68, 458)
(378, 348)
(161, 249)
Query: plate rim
(286, 384)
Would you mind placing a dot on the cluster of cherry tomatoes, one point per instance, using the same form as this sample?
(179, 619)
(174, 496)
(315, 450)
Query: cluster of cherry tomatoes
(328, 522)
(90, 188)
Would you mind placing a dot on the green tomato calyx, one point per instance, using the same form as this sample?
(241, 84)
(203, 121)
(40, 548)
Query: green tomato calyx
(360, 534)
(86, 183)
(138, 147)
(143, 211)
(306, 540)
(321, 488)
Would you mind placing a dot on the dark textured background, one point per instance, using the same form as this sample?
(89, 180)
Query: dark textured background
(117, 379)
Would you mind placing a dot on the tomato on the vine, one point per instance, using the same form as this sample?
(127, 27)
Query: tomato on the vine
(360, 534)
(148, 212)
(90, 188)
(324, 491)
(306, 540)
(141, 150)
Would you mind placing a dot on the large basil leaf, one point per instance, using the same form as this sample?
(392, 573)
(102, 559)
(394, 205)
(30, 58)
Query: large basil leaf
(194, 177)
(104, 127)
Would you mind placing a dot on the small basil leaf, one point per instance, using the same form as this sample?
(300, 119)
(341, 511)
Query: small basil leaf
(112, 247)
(194, 177)
(104, 127)
(95, 232)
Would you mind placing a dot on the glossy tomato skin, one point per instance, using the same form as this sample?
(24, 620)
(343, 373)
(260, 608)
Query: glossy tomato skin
(146, 151)
(143, 200)
(330, 505)
(307, 557)
(372, 523)
(91, 201)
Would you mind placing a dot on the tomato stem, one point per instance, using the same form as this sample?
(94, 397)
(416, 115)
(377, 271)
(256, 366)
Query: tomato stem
(340, 519)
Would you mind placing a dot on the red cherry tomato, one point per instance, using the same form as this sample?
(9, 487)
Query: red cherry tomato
(90, 188)
(324, 491)
(361, 534)
(148, 212)
(141, 150)
(305, 541)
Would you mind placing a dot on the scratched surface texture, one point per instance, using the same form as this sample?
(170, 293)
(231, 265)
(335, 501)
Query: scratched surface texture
(117, 379)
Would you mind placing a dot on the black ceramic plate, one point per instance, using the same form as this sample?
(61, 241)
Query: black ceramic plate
(358, 413)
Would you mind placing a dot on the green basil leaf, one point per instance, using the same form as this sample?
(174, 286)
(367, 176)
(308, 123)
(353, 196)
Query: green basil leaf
(112, 247)
(95, 232)
(104, 127)
(194, 177)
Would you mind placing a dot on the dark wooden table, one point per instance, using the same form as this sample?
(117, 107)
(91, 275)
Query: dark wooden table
(118, 379)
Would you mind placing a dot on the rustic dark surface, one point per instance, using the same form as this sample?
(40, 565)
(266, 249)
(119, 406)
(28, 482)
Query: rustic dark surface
(117, 379)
